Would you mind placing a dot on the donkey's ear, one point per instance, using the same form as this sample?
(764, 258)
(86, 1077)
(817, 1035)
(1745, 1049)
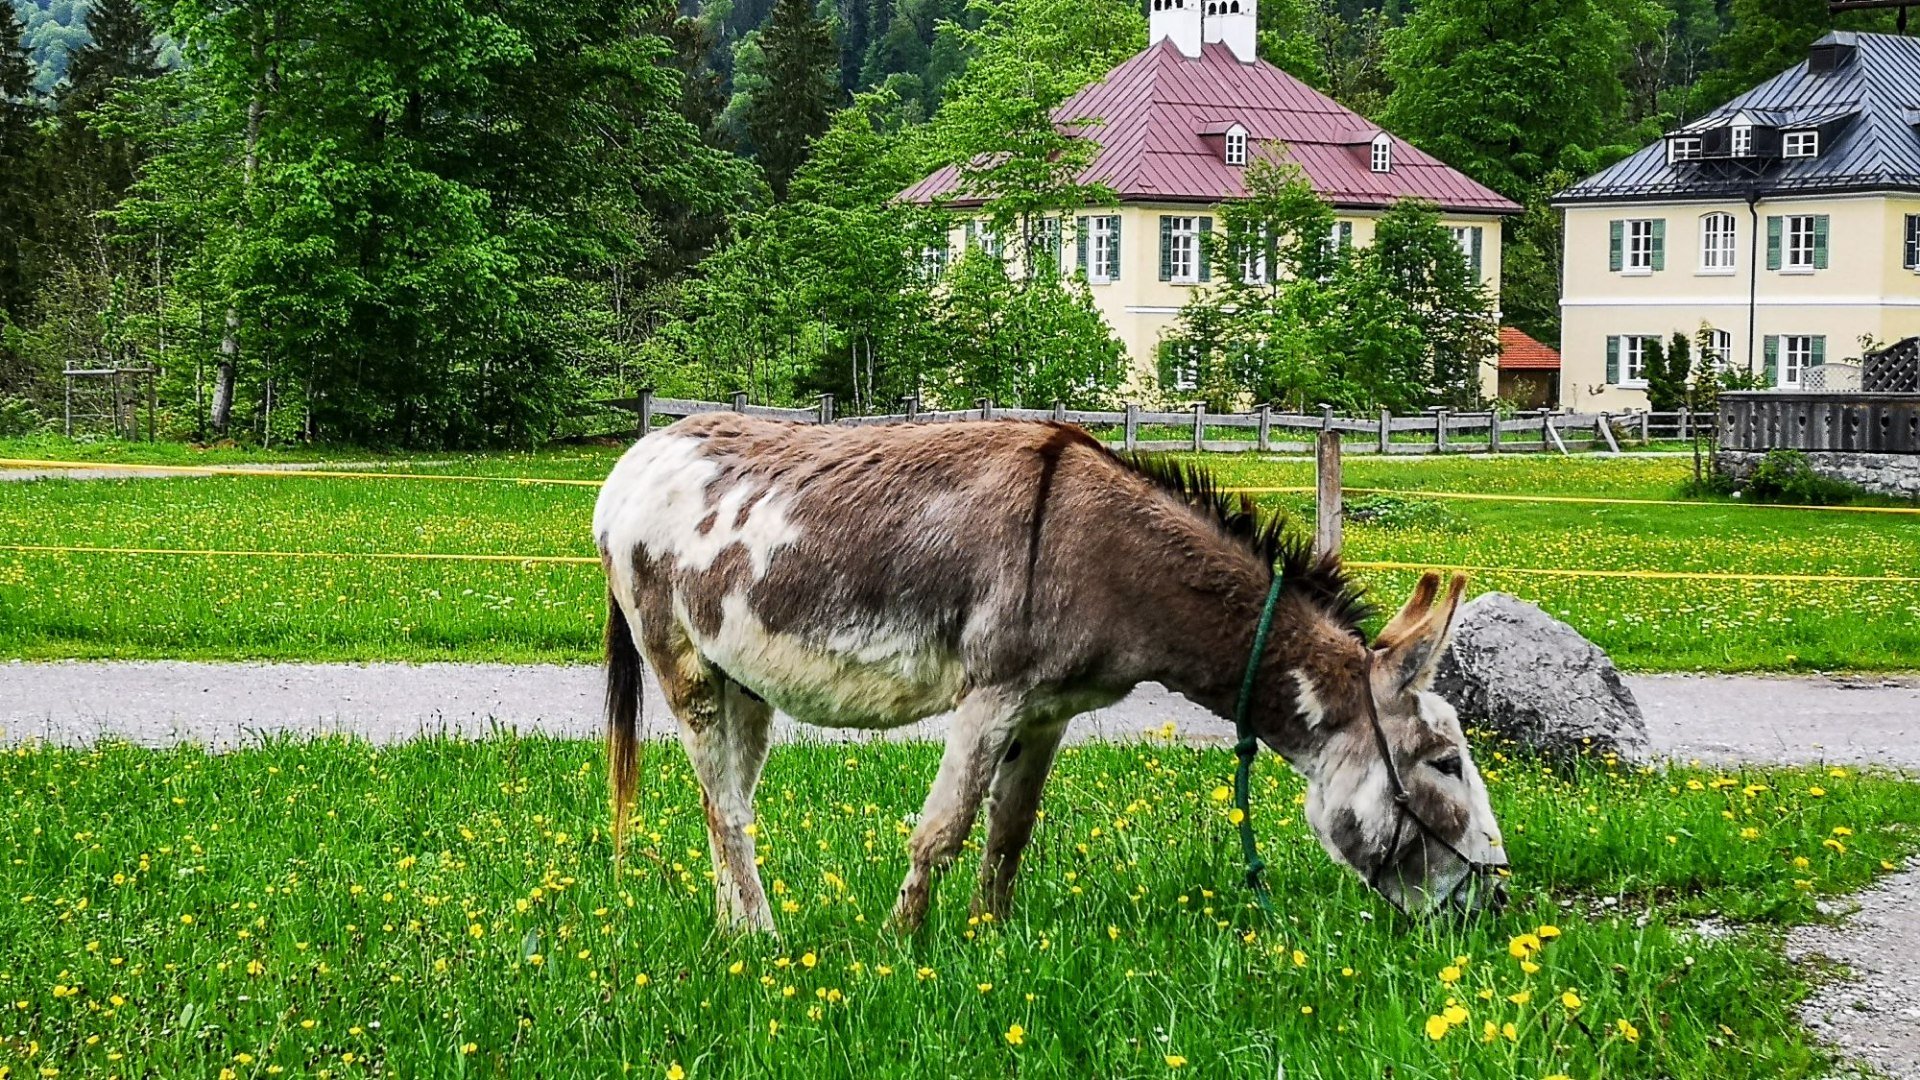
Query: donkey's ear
(1408, 659)
(1412, 615)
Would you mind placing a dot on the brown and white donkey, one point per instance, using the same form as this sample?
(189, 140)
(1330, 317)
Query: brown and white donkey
(1015, 575)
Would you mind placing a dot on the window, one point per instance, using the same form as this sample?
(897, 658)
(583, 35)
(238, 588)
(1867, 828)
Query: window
(1627, 359)
(1236, 147)
(1468, 237)
(1043, 246)
(1801, 144)
(980, 234)
(1382, 153)
(1100, 248)
(1743, 140)
(1253, 257)
(1911, 257)
(1637, 246)
(1717, 244)
(1799, 352)
(1716, 351)
(1179, 365)
(1800, 241)
(1683, 148)
(933, 262)
(1181, 260)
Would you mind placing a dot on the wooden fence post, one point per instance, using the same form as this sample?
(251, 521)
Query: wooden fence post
(1327, 511)
(1493, 431)
(826, 408)
(1440, 429)
(1684, 433)
(69, 404)
(1549, 433)
(1199, 425)
(1326, 417)
(1646, 426)
(1603, 427)
(985, 405)
(1263, 434)
(1133, 426)
(1386, 432)
(739, 401)
(646, 414)
(912, 404)
(153, 402)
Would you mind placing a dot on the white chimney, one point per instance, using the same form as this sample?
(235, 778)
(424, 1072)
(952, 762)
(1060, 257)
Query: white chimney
(1231, 23)
(1176, 19)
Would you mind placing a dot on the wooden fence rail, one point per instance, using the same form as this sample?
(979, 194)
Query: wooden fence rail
(1435, 431)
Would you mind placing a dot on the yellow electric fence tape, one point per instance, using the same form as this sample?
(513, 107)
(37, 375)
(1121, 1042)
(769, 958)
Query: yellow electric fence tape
(587, 560)
(1481, 496)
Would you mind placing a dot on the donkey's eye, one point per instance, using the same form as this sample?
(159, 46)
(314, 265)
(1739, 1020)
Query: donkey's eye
(1449, 765)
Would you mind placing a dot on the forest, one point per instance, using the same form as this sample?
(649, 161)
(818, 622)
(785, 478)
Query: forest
(455, 223)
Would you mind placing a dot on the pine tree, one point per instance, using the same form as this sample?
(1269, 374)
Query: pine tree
(18, 140)
(122, 48)
(802, 69)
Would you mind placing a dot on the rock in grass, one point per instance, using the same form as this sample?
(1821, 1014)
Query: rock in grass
(1524, 674)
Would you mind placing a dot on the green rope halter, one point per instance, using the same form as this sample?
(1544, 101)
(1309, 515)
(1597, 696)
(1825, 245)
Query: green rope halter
(1248, 746)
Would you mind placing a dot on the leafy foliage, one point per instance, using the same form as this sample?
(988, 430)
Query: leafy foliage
(800, 92)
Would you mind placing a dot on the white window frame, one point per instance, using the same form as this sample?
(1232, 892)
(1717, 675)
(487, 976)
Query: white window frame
(1684, 148)
(1463, 239)
(1716, 353)
(1719, 247)
(1253, 261)
(1183, 257)
(1800, 144)
(1186, 367)
(1381, 159)
(1236, 147)
(1797, 243)
(988, 240)
(1046, 238)
(1102, 259)
(1633, 360)
(1794, 362)
(933, 261)
(1636, 246)
(1910, 244)
(1741, 144)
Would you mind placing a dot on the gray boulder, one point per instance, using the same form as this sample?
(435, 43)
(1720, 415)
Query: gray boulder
(1517, 671)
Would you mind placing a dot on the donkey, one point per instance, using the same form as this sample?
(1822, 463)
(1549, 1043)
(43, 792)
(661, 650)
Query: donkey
(1016, 575)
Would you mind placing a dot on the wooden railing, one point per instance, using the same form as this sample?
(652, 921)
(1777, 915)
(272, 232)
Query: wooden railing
(1263, 429)
(1777, 419)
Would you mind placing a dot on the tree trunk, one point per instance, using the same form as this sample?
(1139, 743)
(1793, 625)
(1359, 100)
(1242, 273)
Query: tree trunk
(230, 336)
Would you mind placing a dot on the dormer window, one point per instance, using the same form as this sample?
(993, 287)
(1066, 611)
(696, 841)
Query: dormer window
(1742, 140)
(1382, 153)
(1801, 144)
(1683, 148)
(1236, 150)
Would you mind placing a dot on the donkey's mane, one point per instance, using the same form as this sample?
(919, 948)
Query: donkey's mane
(1322, 582)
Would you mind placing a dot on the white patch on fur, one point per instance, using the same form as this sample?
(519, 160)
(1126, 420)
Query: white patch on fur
(659, 493)
(1311, 710)
(859, 677)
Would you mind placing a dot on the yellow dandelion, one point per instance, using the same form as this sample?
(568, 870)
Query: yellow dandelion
(1627, 1030)
(1449, 975)
(1437, 1027)
(1175, 1061)
(1016, 1035)
(1571, 1000)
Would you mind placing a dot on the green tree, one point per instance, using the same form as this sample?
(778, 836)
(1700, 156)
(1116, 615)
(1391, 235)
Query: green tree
(19, 143)
(801, 66)
(1669, 373)
(1767, 37)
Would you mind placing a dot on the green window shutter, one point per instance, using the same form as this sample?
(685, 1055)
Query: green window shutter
(1773, 242)
(1113, 248)
(1613, 360)
(1477, 234)
(1203, 250)
(1166, 247)
(1819, 241)
(1660, 243)
(1772, 351)
(1818, 355)
(1346, 235)
(1616, 244)
(973, 234)
(1080, 242)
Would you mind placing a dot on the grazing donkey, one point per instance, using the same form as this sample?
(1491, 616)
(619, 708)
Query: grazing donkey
(1017, 575)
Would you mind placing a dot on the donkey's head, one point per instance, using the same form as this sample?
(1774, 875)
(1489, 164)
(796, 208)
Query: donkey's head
(1393, 791)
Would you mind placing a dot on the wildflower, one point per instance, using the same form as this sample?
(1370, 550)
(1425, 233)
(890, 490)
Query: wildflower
(1817, 792)
(1300, 958)
(1571, 1000)
(256, 968)
(736, 967)
(808, 960)
(1449, 975)
(1113, 933)
(1627, 1030)
(773, 1028)
(1454, 1014)
(1523, 946)
(1548, 933)
(1749, 833)
(1489, 1031)
(675, 1072)
(1437, 1027)
(1175, 1061)
(641, 979)
(1236, 815)
(1016, 1035)
(468, 1048)
(1222, 793)
(985, 987)
(1521, 998)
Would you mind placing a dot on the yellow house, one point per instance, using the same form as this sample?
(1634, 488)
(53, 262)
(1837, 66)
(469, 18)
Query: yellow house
(1782, 230)
(1176, 126)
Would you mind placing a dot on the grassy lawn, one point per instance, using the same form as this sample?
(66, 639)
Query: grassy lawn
(79, 605)
(448, 908)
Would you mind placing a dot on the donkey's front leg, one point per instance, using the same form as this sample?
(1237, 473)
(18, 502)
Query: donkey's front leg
(982, 727)
(1011, 810)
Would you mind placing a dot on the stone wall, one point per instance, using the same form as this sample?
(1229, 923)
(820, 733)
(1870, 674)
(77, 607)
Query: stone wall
(1897, 475)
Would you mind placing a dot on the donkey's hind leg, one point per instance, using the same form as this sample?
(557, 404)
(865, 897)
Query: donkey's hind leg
(1011, 809)
(726, 731)
(982, 726)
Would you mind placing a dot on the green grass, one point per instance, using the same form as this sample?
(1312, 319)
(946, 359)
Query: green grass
(58, 605)
(447, 908)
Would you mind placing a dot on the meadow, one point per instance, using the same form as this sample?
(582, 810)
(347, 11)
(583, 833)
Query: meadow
(447, 908)
(59, 604)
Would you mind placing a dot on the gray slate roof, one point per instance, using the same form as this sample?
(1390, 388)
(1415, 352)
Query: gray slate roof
(1878, 150)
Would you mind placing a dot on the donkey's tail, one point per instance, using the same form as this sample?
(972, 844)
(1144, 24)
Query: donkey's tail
(623, 715)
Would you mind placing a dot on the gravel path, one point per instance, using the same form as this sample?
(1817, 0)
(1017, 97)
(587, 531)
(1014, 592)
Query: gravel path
(1874, 1016)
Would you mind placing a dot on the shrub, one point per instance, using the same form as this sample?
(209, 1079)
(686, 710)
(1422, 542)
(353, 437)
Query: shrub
(1786, 476)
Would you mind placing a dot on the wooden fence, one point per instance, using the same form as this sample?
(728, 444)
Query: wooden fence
(1265, 430)
(1864, 423)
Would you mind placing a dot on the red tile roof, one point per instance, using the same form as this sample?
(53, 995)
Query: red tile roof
(1518, 352)
(1154, 107)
